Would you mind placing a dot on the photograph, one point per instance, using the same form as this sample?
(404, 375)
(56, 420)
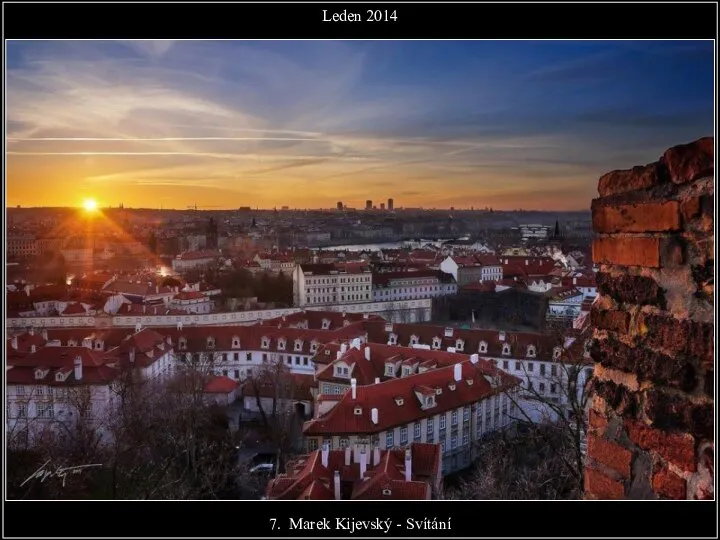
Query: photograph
(359, 270)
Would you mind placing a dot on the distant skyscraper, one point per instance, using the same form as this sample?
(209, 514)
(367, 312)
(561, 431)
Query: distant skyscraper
(368, 205)
(382, 206)
(390, 204)
(339, 205)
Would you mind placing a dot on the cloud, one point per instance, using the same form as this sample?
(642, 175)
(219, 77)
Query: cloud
(154, 48)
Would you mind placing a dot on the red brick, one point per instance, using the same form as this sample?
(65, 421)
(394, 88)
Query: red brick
(627, 251)
(622, 181)
(689, 162)
(690, 208)
(637, 218)
(677, 448)
(597, 422)
(610, 319)
(639, 290)
(668, 484)
(610, 454)
(603, 487)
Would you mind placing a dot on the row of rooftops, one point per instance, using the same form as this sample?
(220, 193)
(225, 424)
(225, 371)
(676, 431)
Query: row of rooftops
(361, 473)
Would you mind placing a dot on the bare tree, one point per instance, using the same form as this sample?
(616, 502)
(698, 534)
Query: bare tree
(276, 392)
(516, 468)
(553, 402)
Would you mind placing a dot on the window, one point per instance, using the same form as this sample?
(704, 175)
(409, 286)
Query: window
(530, 366)
(542, 388)
(553, 370)
(236, 342)
(454, 418)
(22, 410)
(553, 388)
(483, 347)
(182, 344)
(236, 356)
(442, 446)
(389, 370)
(403, 435)
(506, 364)
(430, 429)
(237, 373)
(466, 414)
(312, 444)
(20, 390)
(416, 431)
(298, 345)
(557, 352)
(248, 357)
(506, 349)
(436, 343)
(210, 343)
(265, 343)
(542, 369)
(45, 410)
(531, 351)
(305, 361)
(265, 358)
(459, 344)
(466, 438)
(389, 439)
(39, 391)
(344, 443)
(430, 401)
(453, 442)
(443, 419)
(281, 344)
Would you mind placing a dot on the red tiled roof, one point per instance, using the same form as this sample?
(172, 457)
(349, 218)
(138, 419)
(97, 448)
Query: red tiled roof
(220, 385)
(190, 295)
(341, 419)
(195, 255)
(307, 477)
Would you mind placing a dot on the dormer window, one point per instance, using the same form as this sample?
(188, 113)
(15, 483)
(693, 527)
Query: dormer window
(265, 343)
(469, 381)
(430, 401)
(531, 352)
(483, 347)
(448, 332)
(342, 371)
(393, 339)
(313, 346)
(358, 411)
(236, 342)
(60, 377)
(40, 373)
(211, 343)
(436, 343)
(451, 386)
(407, 371)
(557, 351)
(438, 391)
(414, 340)
(182, 344)
(459, 345)
(325, 324)
(390, 370)
(298, 345)
(281, 344)
(506, 350)
(399, 401)
(327, 352)
(387, 492)
(98, 345)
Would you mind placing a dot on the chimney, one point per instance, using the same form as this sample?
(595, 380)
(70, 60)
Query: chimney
(374, 416)
(408, 465)
(14, 343)
(363, 463)
(353, 388)
(376, 455)
(325, 454)
(474, 358)
(78, 368)
(343, 348)
(365, 315)
(377, 380)
(33, 349)
(367, 352)
(179, 325)
(45, 335)
(131, 354)
(348, 456)
(458, 372)
(32, 331)
(574, 281)
(527, 263)
(337, 485)
(338, 356)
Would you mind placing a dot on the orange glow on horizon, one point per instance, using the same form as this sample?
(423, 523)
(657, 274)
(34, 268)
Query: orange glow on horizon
(90, 205)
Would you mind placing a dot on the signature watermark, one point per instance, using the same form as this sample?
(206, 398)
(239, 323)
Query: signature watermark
(49, 471)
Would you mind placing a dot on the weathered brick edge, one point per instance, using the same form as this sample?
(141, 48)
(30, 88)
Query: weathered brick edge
(651, 431)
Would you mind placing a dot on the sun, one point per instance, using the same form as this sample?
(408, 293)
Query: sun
(90, 205)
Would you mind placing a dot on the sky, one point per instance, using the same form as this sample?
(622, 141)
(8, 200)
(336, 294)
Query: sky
(305, 124)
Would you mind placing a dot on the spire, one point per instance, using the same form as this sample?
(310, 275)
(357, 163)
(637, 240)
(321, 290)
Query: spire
(557, 229)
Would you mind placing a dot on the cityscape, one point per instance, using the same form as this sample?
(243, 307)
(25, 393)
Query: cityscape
(314, 270)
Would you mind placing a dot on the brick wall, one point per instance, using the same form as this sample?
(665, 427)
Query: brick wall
(651, 428)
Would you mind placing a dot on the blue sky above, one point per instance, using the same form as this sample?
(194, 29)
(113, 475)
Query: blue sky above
(455, 123)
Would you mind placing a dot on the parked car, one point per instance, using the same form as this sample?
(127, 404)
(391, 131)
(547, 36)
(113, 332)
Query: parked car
(263, 468)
